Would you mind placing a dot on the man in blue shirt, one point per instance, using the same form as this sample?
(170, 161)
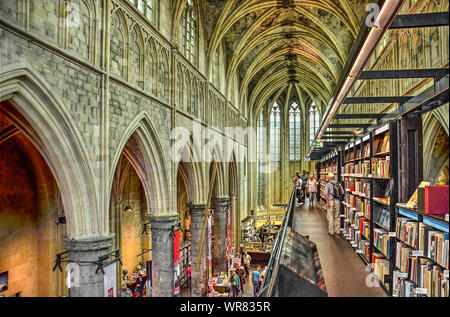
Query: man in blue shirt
(256, 277)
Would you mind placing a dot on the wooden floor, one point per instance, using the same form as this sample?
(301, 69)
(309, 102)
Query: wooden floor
(345, 274)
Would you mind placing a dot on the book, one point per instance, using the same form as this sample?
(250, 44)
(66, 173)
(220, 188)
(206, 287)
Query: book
(412, 202)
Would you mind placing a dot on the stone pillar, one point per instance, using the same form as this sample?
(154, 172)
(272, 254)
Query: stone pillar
(163, 270)
(85, 282)
(199, 276)
(220, 234)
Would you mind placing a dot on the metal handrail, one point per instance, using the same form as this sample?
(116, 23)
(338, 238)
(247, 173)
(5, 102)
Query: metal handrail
(274, 261)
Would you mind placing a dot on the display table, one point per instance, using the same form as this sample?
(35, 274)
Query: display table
(131, 283)
(221, 288)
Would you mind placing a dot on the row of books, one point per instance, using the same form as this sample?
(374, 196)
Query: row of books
(349, 156)
(419, 273)
(382, 217)
(349, 168)
(381, 145)
(362, 151)
(379, 167)
(362, 168)
(434, 244)
(381, 241)
(380, 267)
(406, 231)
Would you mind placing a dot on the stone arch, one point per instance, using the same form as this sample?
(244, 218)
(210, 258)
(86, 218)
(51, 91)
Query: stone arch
(193, 171)
(81, 40)
(221, 178)
(142, 148)
(195, 98)
(136, 57)
(40, 115)
(163, 75)
(179, 87)
(435, 151)
(150, 66)
(118, 45)
(187, 87)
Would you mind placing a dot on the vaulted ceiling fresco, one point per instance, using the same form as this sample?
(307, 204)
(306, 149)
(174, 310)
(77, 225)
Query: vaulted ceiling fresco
(283, 48)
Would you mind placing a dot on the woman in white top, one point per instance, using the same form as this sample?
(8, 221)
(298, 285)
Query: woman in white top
(312, 189)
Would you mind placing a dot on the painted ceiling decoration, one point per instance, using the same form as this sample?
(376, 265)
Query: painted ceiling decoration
(281, 47)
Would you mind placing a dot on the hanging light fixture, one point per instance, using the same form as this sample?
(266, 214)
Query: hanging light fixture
(128, 207)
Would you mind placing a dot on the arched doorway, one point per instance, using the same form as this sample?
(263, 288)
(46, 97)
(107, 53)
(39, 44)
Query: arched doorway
(150, 187)
(30, 230)
(129, 211)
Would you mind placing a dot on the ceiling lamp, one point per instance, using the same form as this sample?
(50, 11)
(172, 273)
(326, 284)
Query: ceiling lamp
(128, 207)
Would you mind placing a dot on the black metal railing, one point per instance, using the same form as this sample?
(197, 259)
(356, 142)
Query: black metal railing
(272, 268)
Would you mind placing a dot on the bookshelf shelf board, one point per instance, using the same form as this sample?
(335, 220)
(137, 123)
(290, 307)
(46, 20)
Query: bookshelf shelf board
(381, 226)
(383, 286)
(435, 223)
(409, 246)
(386, 153)
(381, 178)
(387, 256)
(381, 202)
(363, 258)
(409, 214)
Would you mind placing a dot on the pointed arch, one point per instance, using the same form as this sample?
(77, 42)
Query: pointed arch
(41, 116)
(141, 146)
(118, 44)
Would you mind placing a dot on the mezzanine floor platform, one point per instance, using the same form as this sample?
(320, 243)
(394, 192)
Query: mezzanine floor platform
(345, 274)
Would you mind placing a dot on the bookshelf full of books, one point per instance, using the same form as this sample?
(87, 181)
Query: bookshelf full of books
(357, 201)
(369, 203)
(421, 257)
(408, 251)
(327, 165)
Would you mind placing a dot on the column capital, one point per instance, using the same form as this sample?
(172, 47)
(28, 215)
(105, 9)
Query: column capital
(89, 244)
(221, 203)
(162, 221)
(197, 208)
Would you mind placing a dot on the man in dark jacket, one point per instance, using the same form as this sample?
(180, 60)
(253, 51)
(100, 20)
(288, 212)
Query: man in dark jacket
(242, 277)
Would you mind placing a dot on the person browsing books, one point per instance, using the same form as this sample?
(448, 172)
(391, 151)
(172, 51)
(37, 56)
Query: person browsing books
(333, 195)
(298, 186)
(312, 189)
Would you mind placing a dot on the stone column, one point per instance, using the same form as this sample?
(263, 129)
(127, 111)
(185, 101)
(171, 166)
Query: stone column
(85, 282)
(199, 276)
(220, 234)
(163, 270)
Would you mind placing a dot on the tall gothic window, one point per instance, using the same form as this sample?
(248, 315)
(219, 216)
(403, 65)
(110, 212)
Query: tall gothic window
(275, 115)
(314, 121)
(189, 32)
(260, 152)
(294, 132)
(146, 7)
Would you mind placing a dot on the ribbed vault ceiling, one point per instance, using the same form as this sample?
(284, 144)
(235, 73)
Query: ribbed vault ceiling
(284, 47)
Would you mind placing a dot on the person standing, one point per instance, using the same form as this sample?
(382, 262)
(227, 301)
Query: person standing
(235, 283)
(256, 279)
(139, 285)
(333, 193)
(298, 186)
(188, 277)
(125, 291)
(241, 274)
(312, 189)
(247, 261)
(305, 178)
